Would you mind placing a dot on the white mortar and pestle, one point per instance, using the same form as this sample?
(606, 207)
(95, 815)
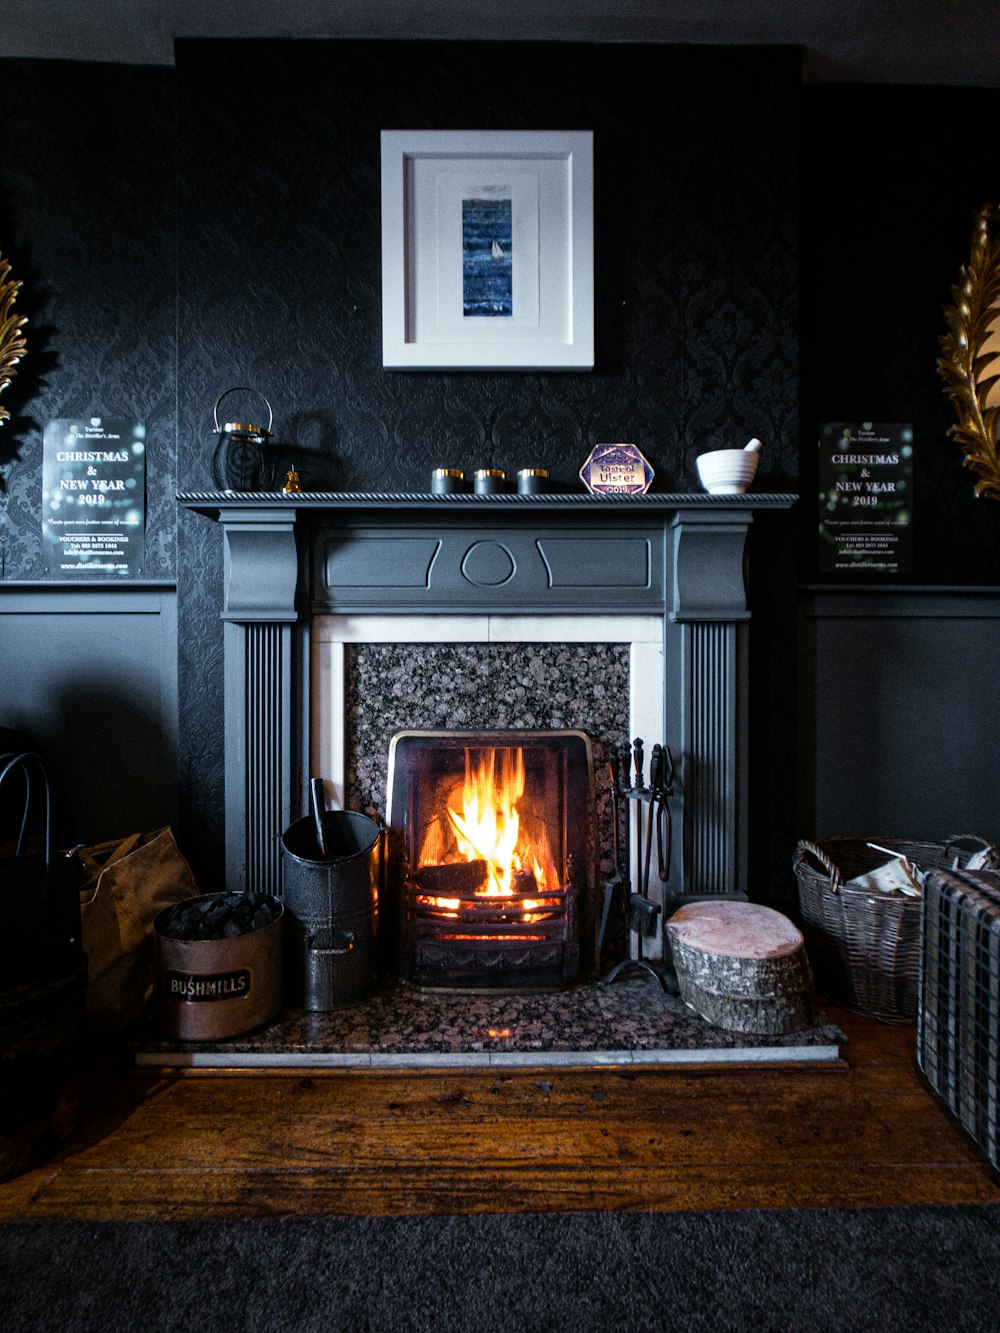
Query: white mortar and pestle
(728, 471)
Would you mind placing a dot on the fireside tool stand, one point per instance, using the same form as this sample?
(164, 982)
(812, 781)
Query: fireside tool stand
(642, 910)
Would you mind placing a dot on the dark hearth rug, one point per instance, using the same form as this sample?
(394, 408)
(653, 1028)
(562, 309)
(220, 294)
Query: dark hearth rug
(633, 1021)
(905, 1269)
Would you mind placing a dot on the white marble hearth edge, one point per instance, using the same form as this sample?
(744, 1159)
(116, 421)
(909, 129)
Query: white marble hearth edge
(485, 1059)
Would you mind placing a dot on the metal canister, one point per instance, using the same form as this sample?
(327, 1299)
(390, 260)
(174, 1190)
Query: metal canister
(447, 480)
(209, 990)
(331, 904)
(489, 481)
(532, 480)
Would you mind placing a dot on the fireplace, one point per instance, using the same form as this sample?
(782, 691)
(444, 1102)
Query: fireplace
(502, 565)
(492, 853)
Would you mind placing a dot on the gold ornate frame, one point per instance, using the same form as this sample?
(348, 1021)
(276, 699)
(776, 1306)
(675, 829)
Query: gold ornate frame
(971, 348)
(12, 343)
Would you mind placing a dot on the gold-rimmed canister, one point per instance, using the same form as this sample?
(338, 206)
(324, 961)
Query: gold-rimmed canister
(532, 480)
(489, 481)
(447, 480)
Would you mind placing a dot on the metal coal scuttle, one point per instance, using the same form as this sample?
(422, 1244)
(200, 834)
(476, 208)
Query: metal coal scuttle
(332, 873)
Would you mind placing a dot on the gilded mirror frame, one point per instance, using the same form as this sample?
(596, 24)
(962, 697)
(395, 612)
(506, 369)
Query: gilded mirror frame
(970, 353)
(12, 343)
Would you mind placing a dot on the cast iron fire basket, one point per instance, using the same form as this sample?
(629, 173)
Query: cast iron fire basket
(492, 858)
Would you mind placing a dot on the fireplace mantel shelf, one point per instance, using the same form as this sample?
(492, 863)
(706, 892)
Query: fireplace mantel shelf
(217, 504)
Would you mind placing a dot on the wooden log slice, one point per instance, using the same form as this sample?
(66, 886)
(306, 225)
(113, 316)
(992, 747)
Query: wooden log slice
(742, 967)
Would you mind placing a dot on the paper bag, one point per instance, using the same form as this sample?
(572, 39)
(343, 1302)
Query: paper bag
(125, 884)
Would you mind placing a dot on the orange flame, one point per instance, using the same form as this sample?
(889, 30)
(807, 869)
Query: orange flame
(486, 825)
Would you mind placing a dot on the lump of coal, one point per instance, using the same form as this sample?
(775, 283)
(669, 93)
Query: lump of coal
(222, 916)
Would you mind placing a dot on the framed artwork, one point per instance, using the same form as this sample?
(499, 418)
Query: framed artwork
(487, 250)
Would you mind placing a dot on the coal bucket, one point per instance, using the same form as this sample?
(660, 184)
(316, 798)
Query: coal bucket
(214, 989)
(331, 906)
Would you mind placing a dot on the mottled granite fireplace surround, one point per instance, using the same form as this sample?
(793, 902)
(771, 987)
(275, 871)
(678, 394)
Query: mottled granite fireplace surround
(341, 597)
(374, 676)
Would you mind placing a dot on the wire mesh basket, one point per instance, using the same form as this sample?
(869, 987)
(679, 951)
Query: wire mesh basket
(864, 945)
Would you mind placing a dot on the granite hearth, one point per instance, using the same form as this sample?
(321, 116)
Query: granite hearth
(626, 1025)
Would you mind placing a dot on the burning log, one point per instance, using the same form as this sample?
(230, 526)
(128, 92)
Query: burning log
(523, 884)
(493, 903)
(455, 880)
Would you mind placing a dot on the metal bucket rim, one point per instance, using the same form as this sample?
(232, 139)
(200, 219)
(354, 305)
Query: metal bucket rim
(334, 860)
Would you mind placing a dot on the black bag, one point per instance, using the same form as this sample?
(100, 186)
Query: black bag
(40, 934)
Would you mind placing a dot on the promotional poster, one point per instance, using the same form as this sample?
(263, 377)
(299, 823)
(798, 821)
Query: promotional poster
(94, 497)
(865, 497)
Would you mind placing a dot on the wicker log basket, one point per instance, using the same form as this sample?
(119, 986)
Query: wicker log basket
(864, 946)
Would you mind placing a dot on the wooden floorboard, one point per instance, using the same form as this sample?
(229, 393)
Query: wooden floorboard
(265, 1144)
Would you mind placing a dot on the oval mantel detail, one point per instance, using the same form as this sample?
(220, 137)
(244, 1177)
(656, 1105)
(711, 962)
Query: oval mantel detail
(488, 564)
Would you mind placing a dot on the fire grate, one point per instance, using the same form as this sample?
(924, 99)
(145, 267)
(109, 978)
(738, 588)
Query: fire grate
(521, 942)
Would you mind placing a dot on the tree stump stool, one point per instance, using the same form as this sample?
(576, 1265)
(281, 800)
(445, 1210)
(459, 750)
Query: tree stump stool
(742, 967)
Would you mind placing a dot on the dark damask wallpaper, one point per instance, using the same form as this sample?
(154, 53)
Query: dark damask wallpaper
(87, 220)
(280, 279)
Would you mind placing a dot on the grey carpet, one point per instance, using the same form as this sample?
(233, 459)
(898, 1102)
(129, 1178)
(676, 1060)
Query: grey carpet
(817, 1271)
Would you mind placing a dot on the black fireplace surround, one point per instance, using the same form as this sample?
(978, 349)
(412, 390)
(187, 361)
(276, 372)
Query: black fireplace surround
(681, 557)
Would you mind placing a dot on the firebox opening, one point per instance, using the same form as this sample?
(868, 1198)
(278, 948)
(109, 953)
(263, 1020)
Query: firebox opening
(492, 858)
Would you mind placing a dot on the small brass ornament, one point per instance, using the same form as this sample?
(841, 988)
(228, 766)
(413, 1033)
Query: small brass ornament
(12, 342)
(293, 483)
(970, 353)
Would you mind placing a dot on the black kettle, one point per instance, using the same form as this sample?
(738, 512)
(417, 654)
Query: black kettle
(241, 461)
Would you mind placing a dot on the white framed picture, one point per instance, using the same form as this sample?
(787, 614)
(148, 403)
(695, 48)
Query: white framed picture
(487, 249)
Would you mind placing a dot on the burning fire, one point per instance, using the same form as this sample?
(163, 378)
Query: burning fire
(489, 823)
(485, 824)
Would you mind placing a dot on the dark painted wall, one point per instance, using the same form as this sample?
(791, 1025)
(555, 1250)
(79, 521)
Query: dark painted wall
(88, 222)
(898, 735)
(90, 675)
(179, 232)
(170, 251)
(87, 219)
(890, 179)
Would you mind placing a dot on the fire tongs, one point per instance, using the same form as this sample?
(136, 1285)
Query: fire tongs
(642, 913)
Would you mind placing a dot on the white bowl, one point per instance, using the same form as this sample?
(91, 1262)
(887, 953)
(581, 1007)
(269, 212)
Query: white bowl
(727, 471)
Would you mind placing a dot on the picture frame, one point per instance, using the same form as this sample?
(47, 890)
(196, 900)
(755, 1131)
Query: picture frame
(487, 250)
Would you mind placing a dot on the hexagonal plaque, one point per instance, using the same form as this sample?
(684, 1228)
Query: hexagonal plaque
(616, 469)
